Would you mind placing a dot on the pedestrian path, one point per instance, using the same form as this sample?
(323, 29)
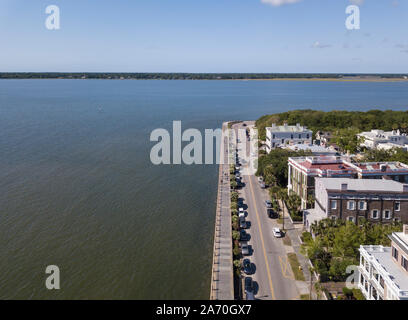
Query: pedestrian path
(222, 281)
(294, 235)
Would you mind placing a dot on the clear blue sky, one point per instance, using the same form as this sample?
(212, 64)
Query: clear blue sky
(204, 36)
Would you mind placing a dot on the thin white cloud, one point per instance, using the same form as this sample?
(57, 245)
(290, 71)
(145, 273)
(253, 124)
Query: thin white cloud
(319, 45)
(277, 3)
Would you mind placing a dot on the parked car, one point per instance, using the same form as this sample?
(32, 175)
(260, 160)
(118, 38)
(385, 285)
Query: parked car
(245, 248)
(249, 285)
(246, 265)
(242, 223)
(244, 236)
(250, 296)
(268, 204)
(277, 232)
(263, 186)
(241, 213)
(270, 213)
(260, 179)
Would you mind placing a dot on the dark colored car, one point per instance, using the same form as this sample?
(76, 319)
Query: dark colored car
(246, 265)
(250, 296)
(249, 285)
(244, 236)
(271, 213)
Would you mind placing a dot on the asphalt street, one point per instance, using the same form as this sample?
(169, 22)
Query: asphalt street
(273, 276)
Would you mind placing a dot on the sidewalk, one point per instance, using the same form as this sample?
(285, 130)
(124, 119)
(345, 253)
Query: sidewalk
(222, 286)
(294, 232)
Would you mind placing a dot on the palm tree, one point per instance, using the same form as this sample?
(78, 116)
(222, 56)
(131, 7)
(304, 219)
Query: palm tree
(311, 201)
(270, 178)
(283, 197)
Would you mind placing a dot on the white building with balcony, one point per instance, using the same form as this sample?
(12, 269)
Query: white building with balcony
(375, 138)
(279, 136)
(384, 270)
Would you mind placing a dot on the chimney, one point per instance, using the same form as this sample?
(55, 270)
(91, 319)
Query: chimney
(344, 187)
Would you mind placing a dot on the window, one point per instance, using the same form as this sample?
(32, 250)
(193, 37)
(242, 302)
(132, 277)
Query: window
(333, 204)
(404, 263)
(273, 136)
(374, 214)
(333, 218)
(382, 282)
(395, 253)
(374, 293)
(375, 274)
(397, 206)
(350, 219)
(351, 205)
(362, 205)
(291, 136)
(300, 136)
(307, 136)
(387, 214)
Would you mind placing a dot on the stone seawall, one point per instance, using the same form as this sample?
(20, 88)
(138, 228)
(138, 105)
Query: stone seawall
(222, 280)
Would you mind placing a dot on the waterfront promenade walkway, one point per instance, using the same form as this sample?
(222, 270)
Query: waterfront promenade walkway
(222, 285)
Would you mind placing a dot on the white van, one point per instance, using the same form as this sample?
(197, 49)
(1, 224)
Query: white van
(241, 213)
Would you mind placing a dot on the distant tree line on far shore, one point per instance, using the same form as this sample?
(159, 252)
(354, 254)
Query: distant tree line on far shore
(188, 76)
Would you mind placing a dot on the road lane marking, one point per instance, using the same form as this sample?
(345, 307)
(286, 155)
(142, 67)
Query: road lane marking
(262, 240)
(284, 263)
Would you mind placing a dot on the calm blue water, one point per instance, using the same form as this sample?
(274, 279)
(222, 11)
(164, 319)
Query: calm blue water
(77, 188)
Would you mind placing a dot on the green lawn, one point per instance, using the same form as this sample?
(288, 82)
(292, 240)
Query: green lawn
(294, 263)
(287, 241)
